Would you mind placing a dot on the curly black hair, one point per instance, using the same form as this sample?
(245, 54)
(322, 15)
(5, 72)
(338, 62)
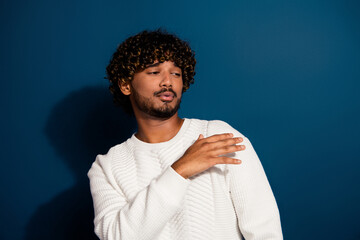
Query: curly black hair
(142, 49)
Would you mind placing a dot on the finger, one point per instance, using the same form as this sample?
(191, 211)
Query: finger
(200, 136)
(227, 160)
(218, 137)
(228, 149)
(227, 142)
(223, 143)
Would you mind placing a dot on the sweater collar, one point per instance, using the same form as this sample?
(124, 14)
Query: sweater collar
(180, 133)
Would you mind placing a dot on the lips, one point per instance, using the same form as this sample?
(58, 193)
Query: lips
(166, 96)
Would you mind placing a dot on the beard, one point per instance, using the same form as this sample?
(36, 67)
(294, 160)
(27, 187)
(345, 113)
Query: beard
(145, 105)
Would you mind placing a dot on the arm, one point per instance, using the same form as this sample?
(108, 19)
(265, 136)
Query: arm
(254, 202)
(140, 218)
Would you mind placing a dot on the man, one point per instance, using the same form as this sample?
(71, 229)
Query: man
(175, 178)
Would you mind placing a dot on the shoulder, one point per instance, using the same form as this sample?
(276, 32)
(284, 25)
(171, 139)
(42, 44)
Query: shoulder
(115, 154)
(219, 127)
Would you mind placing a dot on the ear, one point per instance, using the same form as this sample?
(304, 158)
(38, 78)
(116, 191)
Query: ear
(125, 87)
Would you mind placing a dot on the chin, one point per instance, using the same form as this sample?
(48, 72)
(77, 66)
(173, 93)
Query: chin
(165, 111)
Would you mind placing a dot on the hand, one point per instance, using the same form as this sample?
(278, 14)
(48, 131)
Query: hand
(205, 153)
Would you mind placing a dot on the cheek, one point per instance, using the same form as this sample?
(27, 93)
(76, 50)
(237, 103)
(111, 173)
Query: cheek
(142, 84)
(180, 88)
(179, 96)
(143, 88)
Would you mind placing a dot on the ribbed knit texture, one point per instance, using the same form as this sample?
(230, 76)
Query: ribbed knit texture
(137, 195)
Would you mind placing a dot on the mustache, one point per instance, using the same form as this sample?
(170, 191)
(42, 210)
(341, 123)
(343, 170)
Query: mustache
(165, 90)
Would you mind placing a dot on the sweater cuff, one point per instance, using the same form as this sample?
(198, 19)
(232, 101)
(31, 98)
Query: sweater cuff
(172, 186)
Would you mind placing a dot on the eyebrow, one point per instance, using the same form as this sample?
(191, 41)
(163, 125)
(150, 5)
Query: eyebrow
(157, 64)
(153, 65)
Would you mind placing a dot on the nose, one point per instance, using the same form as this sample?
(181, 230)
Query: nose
(166, 80)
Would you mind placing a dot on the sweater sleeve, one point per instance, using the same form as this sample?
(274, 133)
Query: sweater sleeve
(142, 217)
(254, 202)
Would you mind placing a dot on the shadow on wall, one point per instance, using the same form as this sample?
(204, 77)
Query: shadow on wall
(81, 126)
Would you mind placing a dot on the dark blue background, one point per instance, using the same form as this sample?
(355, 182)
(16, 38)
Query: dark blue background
(284, 73)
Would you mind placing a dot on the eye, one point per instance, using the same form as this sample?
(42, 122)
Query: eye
(177, 74)
(153, 73)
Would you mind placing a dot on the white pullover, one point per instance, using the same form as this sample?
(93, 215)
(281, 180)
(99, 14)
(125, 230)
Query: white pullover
(137, 195)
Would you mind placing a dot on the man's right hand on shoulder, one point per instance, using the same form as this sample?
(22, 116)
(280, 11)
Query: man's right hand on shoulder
(207, 152)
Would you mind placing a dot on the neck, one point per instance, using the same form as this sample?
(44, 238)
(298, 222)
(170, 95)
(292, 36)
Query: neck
(155, 130)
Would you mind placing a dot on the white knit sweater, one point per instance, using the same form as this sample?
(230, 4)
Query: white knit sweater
(137, 195)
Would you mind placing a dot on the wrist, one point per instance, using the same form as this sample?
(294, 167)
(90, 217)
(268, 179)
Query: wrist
(180, 170)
